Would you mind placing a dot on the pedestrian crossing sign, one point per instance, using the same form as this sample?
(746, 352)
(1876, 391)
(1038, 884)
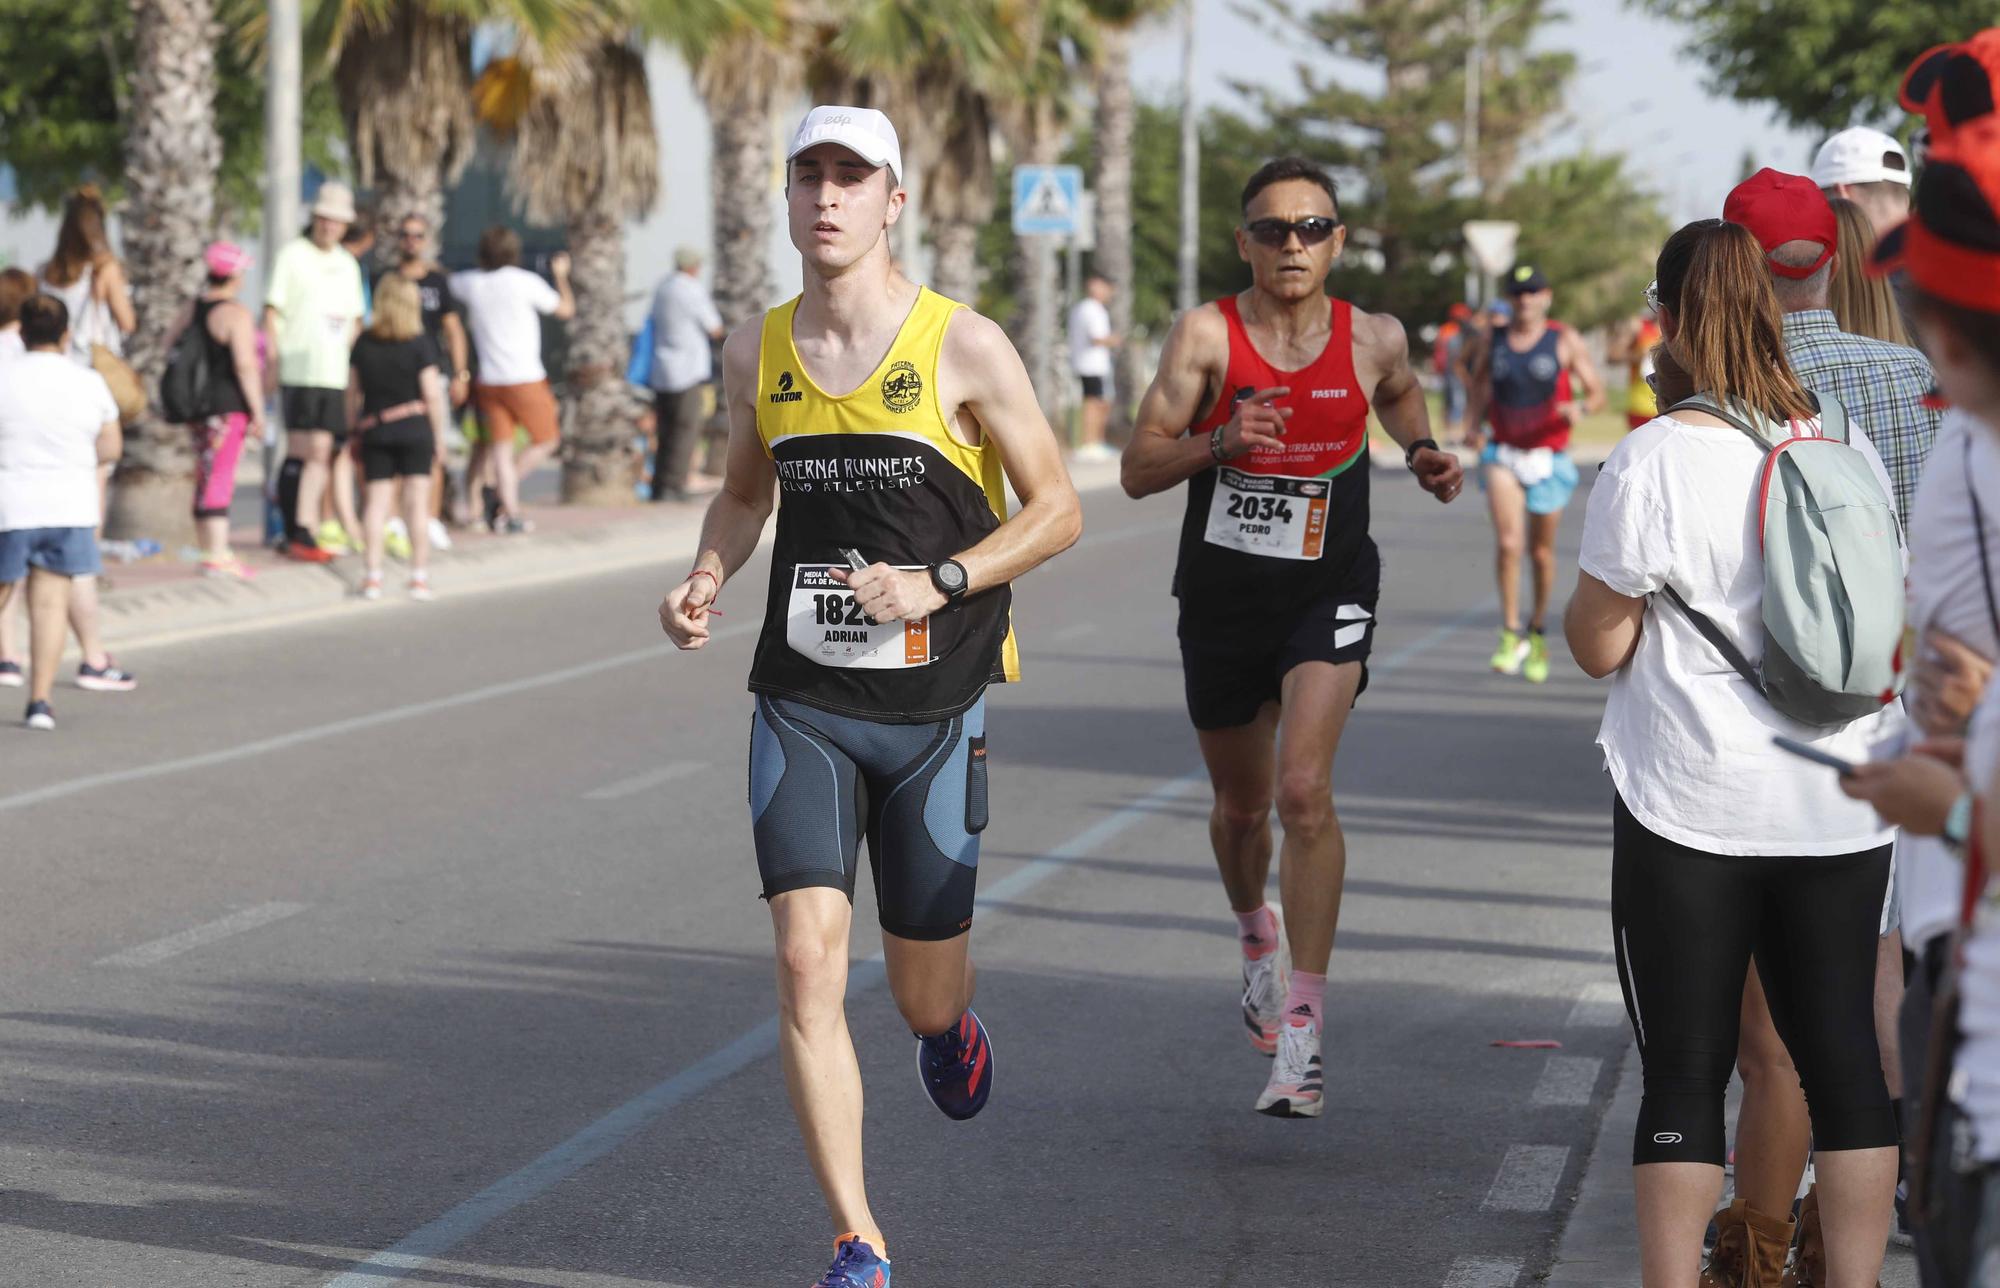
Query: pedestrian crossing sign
(1048, 199)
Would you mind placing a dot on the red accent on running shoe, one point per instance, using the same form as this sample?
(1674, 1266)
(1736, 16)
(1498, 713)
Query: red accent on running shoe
(307, 554)
(978, 1070)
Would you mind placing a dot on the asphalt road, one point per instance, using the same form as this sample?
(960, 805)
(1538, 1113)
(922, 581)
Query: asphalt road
(421, 944)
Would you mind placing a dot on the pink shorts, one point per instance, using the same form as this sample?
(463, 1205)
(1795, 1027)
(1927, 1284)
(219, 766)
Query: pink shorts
(218, 442)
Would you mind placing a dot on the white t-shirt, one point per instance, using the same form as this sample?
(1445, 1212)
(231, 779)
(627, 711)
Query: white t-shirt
(502, 309)
(1089, 322)
(683, 318)
(1946, 594)
(51, 411)
(1687, 740)
(11, 346)
(1979, 986)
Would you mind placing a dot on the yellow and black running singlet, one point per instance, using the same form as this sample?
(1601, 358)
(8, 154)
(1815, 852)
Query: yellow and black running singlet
(879, 471)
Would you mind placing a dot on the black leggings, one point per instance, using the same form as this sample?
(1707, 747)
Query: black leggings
(1687, 925)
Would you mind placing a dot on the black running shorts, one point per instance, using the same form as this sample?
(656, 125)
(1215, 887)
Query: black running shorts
(400, 449)
(309, 408)
(1227, 685)
(820, 782)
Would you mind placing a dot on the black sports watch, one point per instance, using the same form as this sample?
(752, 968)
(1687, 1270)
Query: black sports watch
(950, 579)
(1410, 452)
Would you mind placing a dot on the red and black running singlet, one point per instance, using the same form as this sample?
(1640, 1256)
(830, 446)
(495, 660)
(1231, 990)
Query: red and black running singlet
(1268, 533)
(1528, 392)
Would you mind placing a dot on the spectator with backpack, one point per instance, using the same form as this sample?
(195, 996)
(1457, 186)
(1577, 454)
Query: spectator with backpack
(214, 385)
(1725, 847)
(1881, 386)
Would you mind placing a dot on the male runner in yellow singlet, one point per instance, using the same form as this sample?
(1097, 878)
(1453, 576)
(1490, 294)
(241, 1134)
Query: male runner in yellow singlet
(1261, 407)
(892, 420)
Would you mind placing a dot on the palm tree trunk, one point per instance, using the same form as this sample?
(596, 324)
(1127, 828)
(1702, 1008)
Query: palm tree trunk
(398, 196)
(172, 158)
(741, 158)
(955, 259)
(599, 467)
(1113, 184)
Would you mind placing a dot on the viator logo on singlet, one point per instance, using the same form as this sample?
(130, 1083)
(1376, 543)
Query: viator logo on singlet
(787, 394)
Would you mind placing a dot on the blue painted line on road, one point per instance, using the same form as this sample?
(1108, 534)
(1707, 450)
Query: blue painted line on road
(605, 1135)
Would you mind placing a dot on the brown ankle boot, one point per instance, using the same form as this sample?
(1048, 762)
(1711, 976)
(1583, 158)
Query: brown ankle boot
(1809, 1264)
(1749, 1250)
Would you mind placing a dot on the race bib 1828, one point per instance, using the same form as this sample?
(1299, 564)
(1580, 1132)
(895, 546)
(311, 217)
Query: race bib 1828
(823, 622)
(1268, 514)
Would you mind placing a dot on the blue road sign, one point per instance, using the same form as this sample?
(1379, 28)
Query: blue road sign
(1047, 199)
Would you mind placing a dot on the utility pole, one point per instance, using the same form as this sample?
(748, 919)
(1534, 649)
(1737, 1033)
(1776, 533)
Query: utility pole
(284, 74)
(283, 71)
(1185, 298)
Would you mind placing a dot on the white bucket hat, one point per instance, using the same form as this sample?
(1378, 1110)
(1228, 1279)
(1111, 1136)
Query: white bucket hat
(335, 201)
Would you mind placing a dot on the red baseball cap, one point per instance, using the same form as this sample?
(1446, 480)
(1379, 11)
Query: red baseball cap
(1779, 208)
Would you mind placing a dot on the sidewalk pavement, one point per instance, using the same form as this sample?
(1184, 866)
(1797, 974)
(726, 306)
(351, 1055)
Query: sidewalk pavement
(165, 599)
(1600, 1241)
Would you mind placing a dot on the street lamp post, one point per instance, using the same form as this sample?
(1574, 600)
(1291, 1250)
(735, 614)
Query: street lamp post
(283, 71)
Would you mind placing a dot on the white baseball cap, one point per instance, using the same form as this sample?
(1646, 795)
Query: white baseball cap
(861, 130)
(1860, 155)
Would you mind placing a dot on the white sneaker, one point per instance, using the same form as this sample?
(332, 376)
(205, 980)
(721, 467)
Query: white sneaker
(420, 588)
(440, 535)
(371, 586)
(1265, 982)
(1296, 1082)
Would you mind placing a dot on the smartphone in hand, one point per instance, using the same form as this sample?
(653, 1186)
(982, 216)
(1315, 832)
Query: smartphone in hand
(1805, 751)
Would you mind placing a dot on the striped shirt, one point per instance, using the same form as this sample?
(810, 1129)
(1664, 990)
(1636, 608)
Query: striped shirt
(1881, 385)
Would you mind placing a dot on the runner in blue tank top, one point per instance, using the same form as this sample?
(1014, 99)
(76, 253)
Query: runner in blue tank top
(1520, 381)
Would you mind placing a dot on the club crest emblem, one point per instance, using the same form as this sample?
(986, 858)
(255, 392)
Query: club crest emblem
(902, 387)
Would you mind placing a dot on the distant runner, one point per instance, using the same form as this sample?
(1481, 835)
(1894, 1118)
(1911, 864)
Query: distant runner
(1633, 345)
(886, 616)
(1261, 408)
(1521, 375)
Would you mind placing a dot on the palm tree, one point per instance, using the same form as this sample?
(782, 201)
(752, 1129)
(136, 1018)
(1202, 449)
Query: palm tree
(1111, 182)
(173, 157)
(586, 156)
(403, 72)
(740, 66)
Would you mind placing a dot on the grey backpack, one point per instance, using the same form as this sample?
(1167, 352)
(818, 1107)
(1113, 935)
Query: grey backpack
(1833, 572)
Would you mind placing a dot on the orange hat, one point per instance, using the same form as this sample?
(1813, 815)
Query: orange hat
(1953, 84)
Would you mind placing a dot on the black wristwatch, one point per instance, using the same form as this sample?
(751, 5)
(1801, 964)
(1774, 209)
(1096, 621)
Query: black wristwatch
(950, 580)
(1410, 452)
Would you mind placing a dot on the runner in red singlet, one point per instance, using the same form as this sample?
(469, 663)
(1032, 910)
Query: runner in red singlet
(1261, 408)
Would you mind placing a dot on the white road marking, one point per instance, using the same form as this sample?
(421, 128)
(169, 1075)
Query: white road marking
(353, 724)
(640, 782)
(425, 1245)
(1527, 1179)
(1075, 632)
(235, 923)
(1483, 1272)
(1567, 1080)
(1599, 1005)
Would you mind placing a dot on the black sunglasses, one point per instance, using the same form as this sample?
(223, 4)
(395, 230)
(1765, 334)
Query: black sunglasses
(1312, 230)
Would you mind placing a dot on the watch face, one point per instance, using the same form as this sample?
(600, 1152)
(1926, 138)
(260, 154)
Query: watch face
(950, 575)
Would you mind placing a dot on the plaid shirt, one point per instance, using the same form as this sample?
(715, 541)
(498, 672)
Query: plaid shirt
(1881, 385)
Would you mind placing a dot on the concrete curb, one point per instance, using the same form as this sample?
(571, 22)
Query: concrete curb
(1600, 1241)
(294, 593)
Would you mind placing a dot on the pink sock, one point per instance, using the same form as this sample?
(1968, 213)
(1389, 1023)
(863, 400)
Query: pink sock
(1257, 932)
(1307, 990)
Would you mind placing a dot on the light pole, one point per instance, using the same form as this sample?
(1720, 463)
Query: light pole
(283, 72)
(1190, 167)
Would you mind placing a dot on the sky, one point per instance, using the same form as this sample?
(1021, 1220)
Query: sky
(1634, 93)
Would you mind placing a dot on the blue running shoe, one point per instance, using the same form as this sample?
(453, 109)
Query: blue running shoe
(855, 1265)
(956, 1067)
